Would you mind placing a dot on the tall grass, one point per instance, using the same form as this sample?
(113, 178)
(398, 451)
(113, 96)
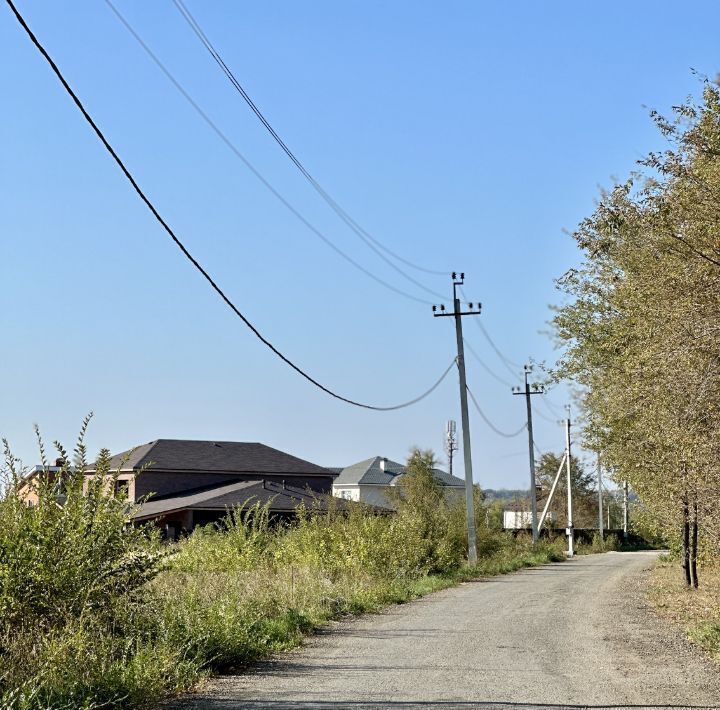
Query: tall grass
(95, 613)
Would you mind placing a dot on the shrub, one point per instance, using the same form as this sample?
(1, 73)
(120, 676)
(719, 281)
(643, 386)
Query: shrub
(71, 570)
(118, 620)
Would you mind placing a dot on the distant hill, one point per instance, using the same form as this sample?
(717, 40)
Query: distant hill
(504, 494)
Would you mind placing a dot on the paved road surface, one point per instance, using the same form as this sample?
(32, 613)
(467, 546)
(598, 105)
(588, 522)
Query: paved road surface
(570, 635)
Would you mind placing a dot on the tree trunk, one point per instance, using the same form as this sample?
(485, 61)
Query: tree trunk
(686, 541)
(693, 546)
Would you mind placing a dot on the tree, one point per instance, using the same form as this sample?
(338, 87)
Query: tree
(585, 506)
(640, 332)
(432, 522)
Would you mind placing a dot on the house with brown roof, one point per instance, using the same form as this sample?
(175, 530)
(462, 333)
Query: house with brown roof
(180, 484)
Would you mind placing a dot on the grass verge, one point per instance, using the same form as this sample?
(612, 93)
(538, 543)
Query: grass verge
(697, 611)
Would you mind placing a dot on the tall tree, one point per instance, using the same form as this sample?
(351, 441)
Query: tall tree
(641, 333)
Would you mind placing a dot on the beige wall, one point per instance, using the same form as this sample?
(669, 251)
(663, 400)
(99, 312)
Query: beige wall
(28, 493)
(376, 494)
(128, 478)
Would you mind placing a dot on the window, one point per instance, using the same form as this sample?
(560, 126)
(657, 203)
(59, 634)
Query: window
(122, 488)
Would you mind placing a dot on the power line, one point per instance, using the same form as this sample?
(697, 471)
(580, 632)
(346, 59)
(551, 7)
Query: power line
(371, 241)
(490, 424)
(553, 409)
(508, 364)
(223, 137)
(545, 417)
(185, 251)
(482, 364)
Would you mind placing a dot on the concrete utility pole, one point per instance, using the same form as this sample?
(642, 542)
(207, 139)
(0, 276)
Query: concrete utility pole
(537, 389)
(625, 510)
(570, 532)
(600, 500)
(474, 309)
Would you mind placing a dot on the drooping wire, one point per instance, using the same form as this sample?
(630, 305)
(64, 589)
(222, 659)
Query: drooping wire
(484, 365)
(553, 409)
(182, 247)
(223, 137)
(543, 416)
(490, 424)
(509, 365)
(373, 243)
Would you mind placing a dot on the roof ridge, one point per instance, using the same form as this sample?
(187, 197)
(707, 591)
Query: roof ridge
(144, 460)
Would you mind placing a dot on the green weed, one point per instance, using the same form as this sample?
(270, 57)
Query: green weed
(119, 621)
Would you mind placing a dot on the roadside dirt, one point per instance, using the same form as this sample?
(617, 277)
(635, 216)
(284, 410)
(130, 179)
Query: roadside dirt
(689, 609)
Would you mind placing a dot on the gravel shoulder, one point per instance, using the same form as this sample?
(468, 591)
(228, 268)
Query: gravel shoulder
(577, 634)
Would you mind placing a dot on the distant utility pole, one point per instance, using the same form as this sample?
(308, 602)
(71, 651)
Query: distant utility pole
(536, 389)
(625, 510)
(451, 445)
(600, 499)
(570, 532)
(457, 313)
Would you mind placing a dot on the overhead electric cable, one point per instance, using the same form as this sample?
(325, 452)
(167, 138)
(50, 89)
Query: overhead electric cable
(371, 241)
(553, 409)
(508, 364)
(544, 416)
(482, 364)
(184, 249)
(223, 137)
(489, 423)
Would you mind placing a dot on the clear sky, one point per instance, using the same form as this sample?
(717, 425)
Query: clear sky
(463, 135)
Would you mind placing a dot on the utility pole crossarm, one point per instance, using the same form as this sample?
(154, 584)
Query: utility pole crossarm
(475, 309)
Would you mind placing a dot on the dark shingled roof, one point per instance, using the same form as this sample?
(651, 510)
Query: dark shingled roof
(243, 494)
(212, 457)
(368, 472)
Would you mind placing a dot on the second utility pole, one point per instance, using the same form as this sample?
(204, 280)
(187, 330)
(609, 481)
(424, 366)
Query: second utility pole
(600, 500)
(467, 454)
(537, 389)
(570, 531)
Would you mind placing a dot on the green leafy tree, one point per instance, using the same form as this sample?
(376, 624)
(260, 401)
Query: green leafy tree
(639, 330)
(583, 482)
(434, 522)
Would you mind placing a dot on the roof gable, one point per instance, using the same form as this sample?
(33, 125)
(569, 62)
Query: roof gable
(369, 472)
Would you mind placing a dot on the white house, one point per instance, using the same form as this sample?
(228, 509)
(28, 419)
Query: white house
(519, 519)
(368, 481)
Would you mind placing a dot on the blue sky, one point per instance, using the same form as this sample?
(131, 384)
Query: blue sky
(464, 135)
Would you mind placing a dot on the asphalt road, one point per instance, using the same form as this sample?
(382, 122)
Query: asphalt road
(570, 635)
